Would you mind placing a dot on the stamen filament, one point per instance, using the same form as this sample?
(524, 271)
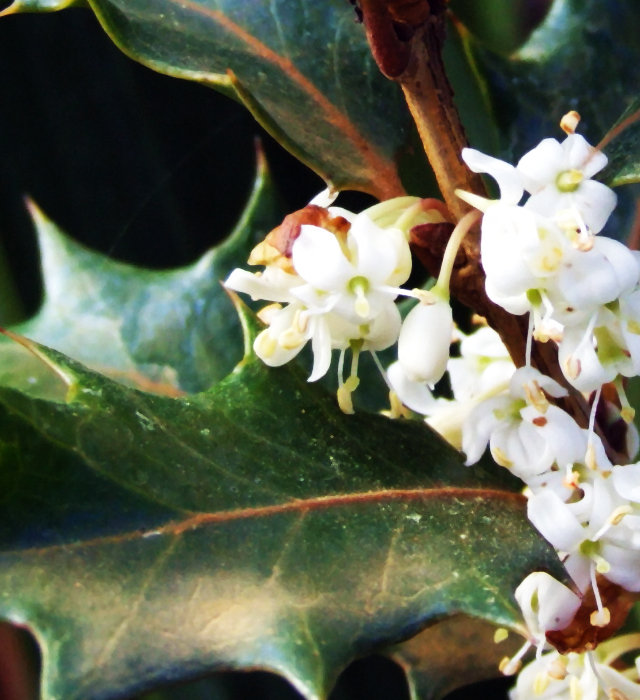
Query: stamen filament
(448, 260)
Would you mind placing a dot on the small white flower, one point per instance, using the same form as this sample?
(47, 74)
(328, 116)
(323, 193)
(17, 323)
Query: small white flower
(558, 178)
(597, 533)
(546, 604)
(483, 365)
(356, 278)
(524, 432)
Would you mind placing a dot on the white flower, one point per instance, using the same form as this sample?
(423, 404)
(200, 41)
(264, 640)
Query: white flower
(525, 433)
(274, 284)
(483, 365)
(546, 604)
(558, 178)
(355, 278)
(597, 533)
(425, 337)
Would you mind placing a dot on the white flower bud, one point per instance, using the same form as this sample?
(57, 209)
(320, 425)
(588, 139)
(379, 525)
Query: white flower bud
(425, 337)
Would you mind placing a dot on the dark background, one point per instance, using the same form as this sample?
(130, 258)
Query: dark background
(153, 171)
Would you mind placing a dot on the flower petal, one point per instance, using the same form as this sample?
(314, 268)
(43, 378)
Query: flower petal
(595, 202)
(321, 346)
(554, 521)
(415, 395)
(540, 167)
(319, 260)
(508, 178)
(262, 286)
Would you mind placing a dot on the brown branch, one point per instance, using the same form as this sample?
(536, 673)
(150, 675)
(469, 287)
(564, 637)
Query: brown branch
(406, 40)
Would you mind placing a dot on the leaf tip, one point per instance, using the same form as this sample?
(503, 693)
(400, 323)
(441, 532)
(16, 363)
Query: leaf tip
(40, 353)
(13, 9)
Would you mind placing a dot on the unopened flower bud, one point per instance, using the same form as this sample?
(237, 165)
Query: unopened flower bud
(425, 337)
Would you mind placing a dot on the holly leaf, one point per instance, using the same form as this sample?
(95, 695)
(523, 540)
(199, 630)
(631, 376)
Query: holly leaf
(303, 69)
(146, 539)
(581, 57)
(453, 653)
(169, 332)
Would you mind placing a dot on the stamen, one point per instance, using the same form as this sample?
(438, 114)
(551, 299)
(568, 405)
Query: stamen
(557, 669)
(529, 341)
(508, 666)
(591, 451)
(396, 407)
(600, 617)
(569, 180)
(569, 123)
(535, 396)
(575, 689)
(573, 366)
(360, 286)
(627, 412)
(614, 519)
(481, 203)
(344, 400)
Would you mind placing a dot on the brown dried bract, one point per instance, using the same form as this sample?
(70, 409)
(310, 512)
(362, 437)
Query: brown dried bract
(278, 244)
(581, 635)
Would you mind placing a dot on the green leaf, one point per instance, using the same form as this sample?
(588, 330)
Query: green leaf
(146, 539)
(453, 653)
(168, 332)
(583, 57)
(18, 6)
(622, 145)
(302, 68)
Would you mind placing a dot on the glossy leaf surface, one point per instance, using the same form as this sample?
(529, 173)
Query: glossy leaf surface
(150, 539)
(167, 332)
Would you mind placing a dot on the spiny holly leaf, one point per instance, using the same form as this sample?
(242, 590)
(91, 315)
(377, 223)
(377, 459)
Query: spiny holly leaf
(455, 652)
(167, 332)
(622, 145)
(583, 57)
(302, 68)
(146, 539)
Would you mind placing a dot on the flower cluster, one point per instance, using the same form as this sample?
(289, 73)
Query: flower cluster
(333, 278)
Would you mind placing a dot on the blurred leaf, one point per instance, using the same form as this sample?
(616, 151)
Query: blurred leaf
(622, 145)
(302, 68)
(147, 540)
(41, 6)
(583, 57)
(453, 653)
(166, 332)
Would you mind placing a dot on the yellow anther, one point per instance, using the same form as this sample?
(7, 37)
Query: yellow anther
(633, 327)
(501, 458)
(575, 689)
(344, 400)
(616, 517)
(615, 694)
(628, 414)
(569, 123)
(573, 367)
(500, 635)
(590, 458)
(541, 683)
(557, 669)
(536, 396)
(396, 406)
(265, 344)
(351, 384)
(600, 618)
(509, 667)
(290, 339)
